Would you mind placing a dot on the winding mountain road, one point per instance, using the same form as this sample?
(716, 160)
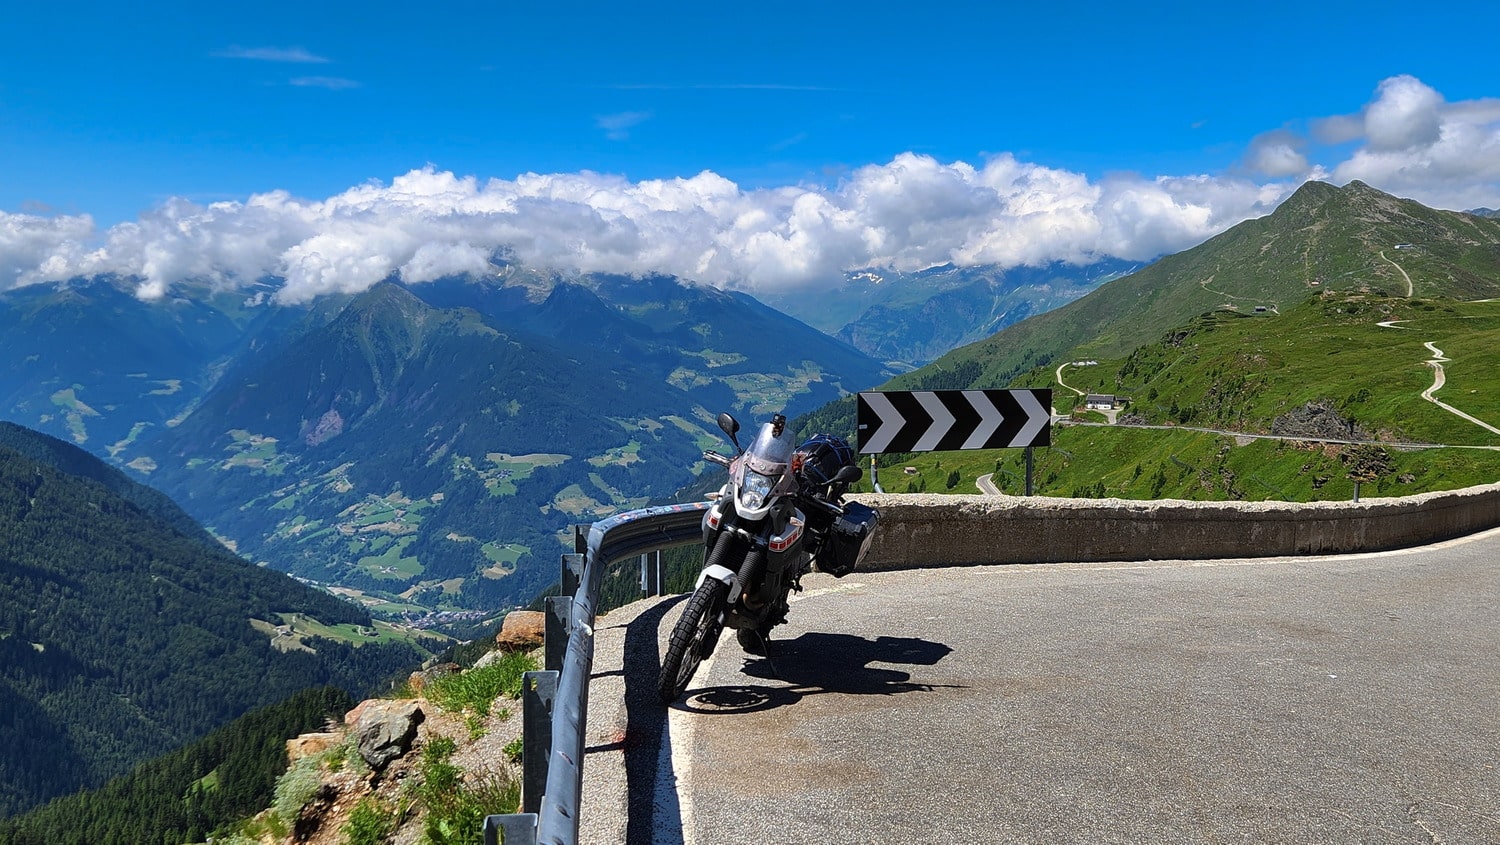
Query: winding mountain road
(1439, 377)
(1438, 380)
(1313, 699)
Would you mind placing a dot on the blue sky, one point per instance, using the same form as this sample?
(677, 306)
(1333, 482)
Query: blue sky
(116, 113)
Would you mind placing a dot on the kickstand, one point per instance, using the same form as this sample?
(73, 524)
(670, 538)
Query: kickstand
(765, 651)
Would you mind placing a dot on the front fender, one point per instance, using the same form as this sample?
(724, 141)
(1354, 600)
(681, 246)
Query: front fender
(730, 578)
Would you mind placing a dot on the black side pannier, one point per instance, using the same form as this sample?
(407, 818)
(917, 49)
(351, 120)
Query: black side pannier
(847, 540)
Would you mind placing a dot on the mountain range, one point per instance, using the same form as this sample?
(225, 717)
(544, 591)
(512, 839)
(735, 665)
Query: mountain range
(1322, 238)
(908, 319)
(418, 448)
(1328, 318)
(427, 447)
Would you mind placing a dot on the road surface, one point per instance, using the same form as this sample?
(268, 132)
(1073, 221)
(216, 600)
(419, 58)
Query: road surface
(1338, 699)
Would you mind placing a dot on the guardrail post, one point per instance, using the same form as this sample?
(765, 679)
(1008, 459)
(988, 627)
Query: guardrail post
(538, 690)
(651, 573)
(572, 574)
(514, 829)
(555, 635)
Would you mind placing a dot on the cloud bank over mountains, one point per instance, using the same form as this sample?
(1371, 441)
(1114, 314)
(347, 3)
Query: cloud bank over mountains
(909, 213)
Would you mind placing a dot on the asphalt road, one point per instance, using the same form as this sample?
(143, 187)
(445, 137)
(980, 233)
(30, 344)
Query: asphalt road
(1308, 700)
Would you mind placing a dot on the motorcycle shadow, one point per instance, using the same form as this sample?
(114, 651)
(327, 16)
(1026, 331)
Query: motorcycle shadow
(818, 663)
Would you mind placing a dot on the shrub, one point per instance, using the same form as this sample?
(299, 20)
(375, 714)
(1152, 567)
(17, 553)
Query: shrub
(476, 689)
(370, 823)
(512, 750)
(296, 787)
(455, 808)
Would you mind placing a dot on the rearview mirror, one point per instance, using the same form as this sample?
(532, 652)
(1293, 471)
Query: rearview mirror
(731, 427)
(848, 474)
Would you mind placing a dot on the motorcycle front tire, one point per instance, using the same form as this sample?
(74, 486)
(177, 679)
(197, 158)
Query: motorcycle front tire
(692, 639)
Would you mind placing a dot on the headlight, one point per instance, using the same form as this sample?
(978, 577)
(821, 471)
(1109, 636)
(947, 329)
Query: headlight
(754, 489)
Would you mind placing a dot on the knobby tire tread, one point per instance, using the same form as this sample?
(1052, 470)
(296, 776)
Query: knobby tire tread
(684, 648)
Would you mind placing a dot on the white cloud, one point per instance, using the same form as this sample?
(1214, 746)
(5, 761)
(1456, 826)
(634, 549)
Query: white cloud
(332, 83)
(909, 213)
(294, 55)
(34, 248)
(1410, 141)
(1278, 154)
(1403, 115)
(617, 126)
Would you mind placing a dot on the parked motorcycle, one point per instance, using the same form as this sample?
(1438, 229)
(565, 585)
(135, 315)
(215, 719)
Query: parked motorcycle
(779, 515)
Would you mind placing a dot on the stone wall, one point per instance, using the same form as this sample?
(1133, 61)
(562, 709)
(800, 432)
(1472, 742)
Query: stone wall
(917, 530)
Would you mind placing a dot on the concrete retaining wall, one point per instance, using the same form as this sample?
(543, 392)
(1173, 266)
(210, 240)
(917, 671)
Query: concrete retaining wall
(918, 530)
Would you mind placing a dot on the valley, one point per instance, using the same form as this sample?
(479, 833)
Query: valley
(423, 450)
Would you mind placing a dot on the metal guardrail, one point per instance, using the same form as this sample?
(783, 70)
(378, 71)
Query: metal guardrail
(555, 700)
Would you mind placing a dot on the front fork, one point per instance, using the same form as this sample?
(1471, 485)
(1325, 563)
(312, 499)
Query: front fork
(720, 554)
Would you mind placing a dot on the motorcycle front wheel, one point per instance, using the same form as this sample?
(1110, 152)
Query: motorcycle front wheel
(692, 639)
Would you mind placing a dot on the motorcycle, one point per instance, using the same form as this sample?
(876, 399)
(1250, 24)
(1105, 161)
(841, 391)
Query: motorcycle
(780, 514)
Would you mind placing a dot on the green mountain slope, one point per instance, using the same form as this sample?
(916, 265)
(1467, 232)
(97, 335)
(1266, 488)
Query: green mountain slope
(187, 794)
(1366, 356)
(1321, 238)
(122, 638)
(1325, 369)
(71, 460)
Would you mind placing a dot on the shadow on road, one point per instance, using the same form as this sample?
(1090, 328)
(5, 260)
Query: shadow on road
(646, 724)
(811, 664)
(821, 663)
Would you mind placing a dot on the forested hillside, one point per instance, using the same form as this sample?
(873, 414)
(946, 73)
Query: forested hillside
(186, 795)
(67, 458)
(121, 637)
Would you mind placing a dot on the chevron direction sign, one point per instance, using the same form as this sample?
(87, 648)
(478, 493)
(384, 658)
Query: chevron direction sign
(952, 420)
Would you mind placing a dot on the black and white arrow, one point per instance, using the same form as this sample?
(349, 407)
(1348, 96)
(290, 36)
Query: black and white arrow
(952, 420)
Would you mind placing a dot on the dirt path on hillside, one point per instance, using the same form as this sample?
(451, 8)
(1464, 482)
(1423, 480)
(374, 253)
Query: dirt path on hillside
(1061, 383)
(1226, 294)
(1409, 288)
(1439, 378)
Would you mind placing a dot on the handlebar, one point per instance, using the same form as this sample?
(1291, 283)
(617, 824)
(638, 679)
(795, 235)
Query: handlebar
(822, 504)
(807, 497)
